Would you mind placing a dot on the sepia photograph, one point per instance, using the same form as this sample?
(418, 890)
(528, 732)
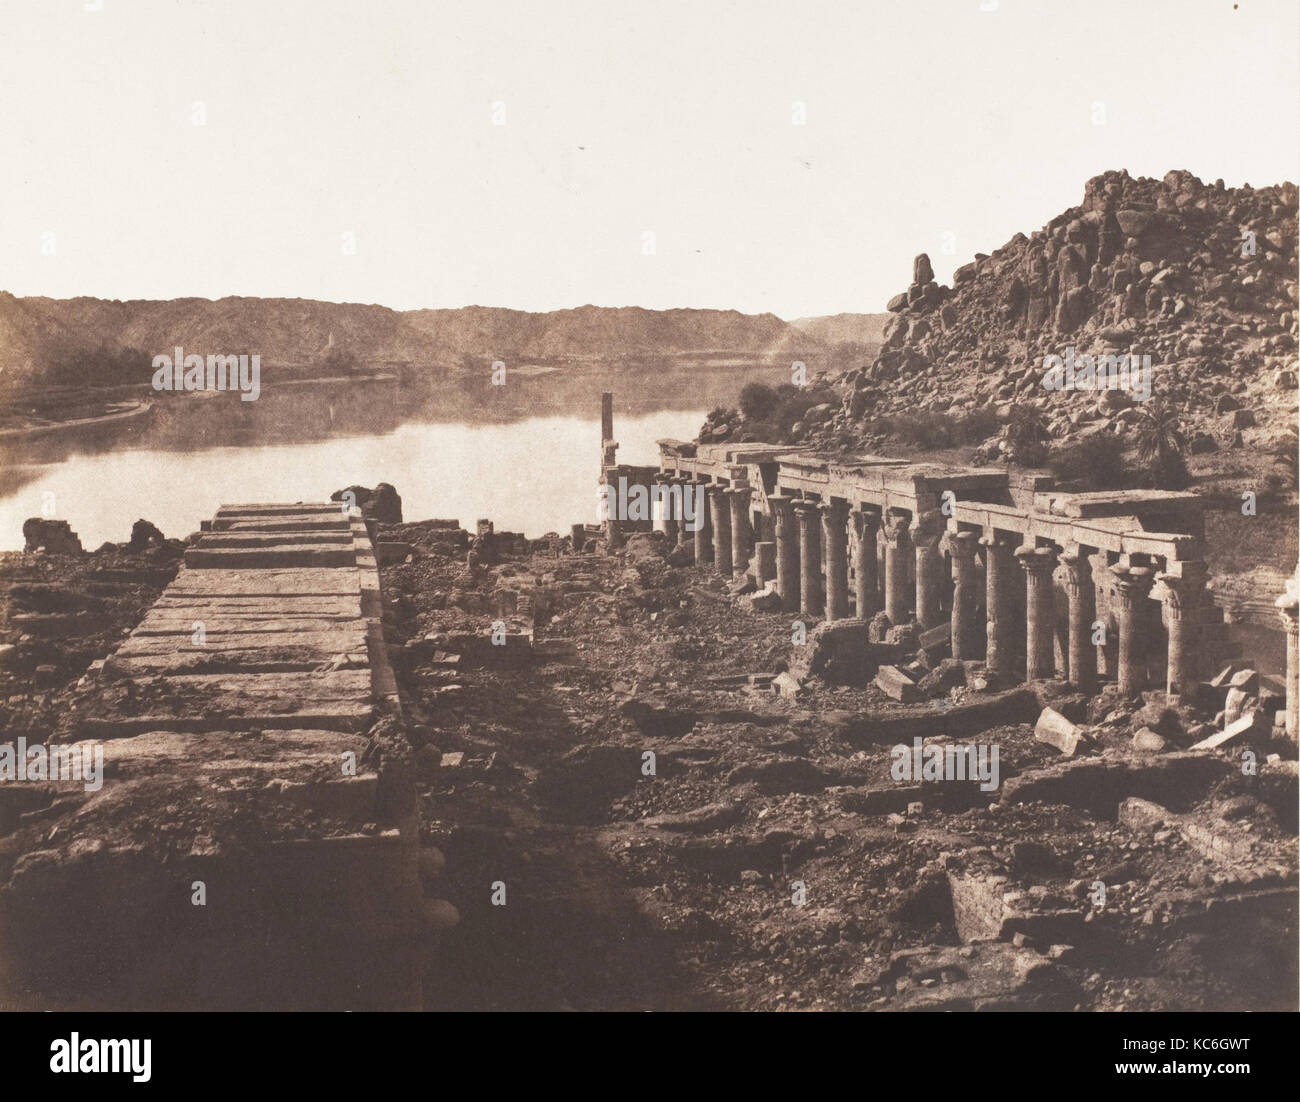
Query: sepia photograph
(696, 506)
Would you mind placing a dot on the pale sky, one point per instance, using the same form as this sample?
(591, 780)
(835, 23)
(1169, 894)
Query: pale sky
(517, 153)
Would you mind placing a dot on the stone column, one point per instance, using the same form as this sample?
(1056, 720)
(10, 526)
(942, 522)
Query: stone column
(1038, 563)
(897, 547)
(720, 507)
(1082, 658)
(1184, 584)
(680, 490)
(613, 524)
(608, 446)
(929, 574)
(835, 515)
(670, 522)
(810, 559)
(965, 601)
(764, 562)
(866, 523)
(606, 416)
(787, 550)
(1289, 607)
(703, 534)
(740, 542)
(998, 579)
(1132, 584)
(658, 504)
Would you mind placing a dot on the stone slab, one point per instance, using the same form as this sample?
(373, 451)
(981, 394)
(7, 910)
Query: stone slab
(273, 509)
(338, 581)
(281, 524)
(282, 555)
(163, 625)
(323, 642)
(340, 606)
(237, 538)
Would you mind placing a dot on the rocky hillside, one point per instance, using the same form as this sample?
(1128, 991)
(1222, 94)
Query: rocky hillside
(1200, 278)
(37, 335)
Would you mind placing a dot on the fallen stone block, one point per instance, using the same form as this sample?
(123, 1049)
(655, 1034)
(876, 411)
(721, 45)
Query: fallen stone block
(765, 600)
(787, 685)
(894, 683)
(1234, 705)
(1234, 731)
(1222, 678)
(977, 907)
(1055, 730)
(1246, 680)
(937, 641)
(1139, 814)
(1148, 741)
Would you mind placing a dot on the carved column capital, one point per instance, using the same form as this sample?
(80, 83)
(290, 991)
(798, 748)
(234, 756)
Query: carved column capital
(896, 524)
(1038, 562)
(1132, 584)
(961, 546)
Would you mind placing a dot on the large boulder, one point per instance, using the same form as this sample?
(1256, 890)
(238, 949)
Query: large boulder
(143, 535)
(55, 537)
(381, 504)
(838, 651)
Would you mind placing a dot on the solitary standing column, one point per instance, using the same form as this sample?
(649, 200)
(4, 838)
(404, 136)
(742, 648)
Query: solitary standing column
(998, 567)
(1289, 606)
(810, 559)
(835, 516)
(1083, 611)
(1038, 563)
(926, 535)
(965, 601)
(703, 533)
(897, 547)
(866, 523)
(606, 416)
(1184, 584)
(608, 446)
(787, 550)
(720, 507)
(1132, 584)
(740, 497)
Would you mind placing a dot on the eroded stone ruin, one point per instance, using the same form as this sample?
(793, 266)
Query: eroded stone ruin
(1046, 573)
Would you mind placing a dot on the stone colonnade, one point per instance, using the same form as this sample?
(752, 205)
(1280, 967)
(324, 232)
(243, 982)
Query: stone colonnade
(826, 565)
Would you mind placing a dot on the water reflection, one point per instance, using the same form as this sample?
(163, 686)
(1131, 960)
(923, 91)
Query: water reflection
(533, 475)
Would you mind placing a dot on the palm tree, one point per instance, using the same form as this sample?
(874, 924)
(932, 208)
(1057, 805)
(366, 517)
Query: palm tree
(1161, 444)
(1026, 436)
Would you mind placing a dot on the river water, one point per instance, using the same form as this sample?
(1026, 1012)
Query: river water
(531, 474)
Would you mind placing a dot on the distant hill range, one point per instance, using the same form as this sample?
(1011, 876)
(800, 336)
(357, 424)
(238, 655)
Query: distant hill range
(864, 329)
(45, 340)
